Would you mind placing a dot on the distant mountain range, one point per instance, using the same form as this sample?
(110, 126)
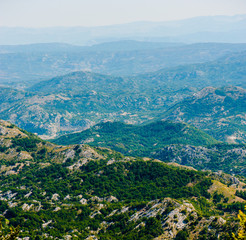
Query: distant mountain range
(28, 64)
(199, 29)
(225, 71)
(76, 101)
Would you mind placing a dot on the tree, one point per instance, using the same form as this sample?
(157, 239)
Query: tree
(182, 235)
(11, 235)
(241, 235)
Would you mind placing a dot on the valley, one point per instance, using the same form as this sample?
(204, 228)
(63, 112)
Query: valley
(78, 100)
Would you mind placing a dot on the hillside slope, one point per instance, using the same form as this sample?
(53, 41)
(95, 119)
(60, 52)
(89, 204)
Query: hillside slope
(229, 158)
(82, 192)
(138, 140)
(166, 141)
(221, 112)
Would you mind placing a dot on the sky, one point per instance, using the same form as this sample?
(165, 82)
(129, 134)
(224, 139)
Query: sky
(50, 13)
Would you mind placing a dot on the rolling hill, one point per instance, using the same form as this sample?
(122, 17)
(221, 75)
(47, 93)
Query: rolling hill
(81, 82)
(167, 141)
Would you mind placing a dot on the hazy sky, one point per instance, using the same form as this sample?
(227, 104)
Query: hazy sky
(45, 13)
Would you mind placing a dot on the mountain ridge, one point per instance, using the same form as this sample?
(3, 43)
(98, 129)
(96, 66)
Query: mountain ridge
(78, 100)
(165, 31)
(46, 62)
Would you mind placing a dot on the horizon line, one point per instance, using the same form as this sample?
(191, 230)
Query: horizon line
(124, 23)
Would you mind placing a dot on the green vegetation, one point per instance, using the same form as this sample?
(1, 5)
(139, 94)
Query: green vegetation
(241, 194)
(138, 140)
(134, 181)
(53, 191)
(25, 144)
(131, 183)
(182, 235)
(75, 190)
(8, 233)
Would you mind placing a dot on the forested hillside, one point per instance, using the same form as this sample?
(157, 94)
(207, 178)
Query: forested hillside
(56, 192)
(138, 140)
